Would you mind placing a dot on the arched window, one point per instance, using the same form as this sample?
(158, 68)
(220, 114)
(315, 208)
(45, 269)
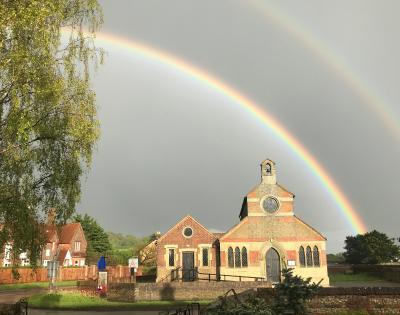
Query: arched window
(268, 169)
(316, 256)
(238, 263)
(309, 257)
(244, 257)
(302, 257)
(230, 257)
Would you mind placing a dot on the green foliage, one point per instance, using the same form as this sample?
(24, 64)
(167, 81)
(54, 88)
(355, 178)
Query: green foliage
(292, 293)
(335, 258)
(48, 116)
(370, 248)
(251, 306)
(97, 238)
(122, 241)
(119, 256)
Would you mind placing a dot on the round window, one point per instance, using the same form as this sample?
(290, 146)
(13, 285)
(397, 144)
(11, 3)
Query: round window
(270, 204)
(187, 232)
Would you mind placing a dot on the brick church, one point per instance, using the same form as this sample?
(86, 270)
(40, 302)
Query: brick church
(268, 237)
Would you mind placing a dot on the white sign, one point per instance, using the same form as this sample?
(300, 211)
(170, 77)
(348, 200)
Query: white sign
(133, 262)
(291, 263)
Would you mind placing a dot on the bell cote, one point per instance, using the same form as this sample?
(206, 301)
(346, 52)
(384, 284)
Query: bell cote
(268, 172)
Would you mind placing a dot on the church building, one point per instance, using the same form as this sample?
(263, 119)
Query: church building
(268, 237)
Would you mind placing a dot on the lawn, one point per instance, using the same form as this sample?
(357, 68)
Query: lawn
(34, 285)
(79, 302)
(356, 277)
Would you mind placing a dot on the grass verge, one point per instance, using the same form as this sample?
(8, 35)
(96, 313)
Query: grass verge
(34, 285)
(75, 301)
(361, 277)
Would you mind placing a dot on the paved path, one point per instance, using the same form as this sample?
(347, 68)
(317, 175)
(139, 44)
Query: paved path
(12, 296)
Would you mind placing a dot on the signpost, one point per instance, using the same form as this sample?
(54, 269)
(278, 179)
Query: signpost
(133, 263)
(52, 268)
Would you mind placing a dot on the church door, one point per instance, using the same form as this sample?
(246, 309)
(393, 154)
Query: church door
(273, 265)
(188, 271)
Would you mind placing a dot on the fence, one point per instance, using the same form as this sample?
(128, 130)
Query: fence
(115, 274)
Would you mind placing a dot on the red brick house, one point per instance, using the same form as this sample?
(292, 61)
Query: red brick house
(268, 237)
(67, 244)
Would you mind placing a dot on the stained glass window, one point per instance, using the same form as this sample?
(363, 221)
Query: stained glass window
(316, 256)
(309, 257)
(238, 263)
(230, 257)
(244, 257)
(171, 256)
(205, 257)
(302, 257)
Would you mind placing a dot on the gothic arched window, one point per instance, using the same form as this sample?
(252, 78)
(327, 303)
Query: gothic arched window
(244, 257)
(316, 256)
(302, 257)
(268, 169)
(238, 263)
(309, 257)
(230, 257)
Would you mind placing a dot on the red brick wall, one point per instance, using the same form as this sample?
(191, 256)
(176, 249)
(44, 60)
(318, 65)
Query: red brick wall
(115, 273)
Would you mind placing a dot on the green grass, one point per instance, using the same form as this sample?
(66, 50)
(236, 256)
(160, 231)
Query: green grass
(79, 302)
(360, 277)
(34, 285)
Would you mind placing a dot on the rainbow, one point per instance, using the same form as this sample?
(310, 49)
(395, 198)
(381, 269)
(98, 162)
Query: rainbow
(250, 107)
(332, 61)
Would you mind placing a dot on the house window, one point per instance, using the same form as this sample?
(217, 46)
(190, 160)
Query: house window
(77, 246)
(316, 256)
(171, 257)
(237, 258)
(230, 257)
(45, 263)
(76, 263)
(309, 257)
(205, 257)
(244, 257)
(47, 252)
(302, 257)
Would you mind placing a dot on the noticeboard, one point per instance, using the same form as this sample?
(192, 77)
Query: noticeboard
(133, 262)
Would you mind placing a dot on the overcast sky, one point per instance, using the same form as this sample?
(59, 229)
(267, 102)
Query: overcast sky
(171, 146)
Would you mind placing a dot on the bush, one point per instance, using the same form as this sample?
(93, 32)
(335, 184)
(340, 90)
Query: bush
(292, 293)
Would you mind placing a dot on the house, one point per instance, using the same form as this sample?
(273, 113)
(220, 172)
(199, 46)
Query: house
(66, 244)
(268, 237)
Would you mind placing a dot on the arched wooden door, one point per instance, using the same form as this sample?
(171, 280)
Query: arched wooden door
(273, 265)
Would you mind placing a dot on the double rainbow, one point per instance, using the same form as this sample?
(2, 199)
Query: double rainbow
(251, 108)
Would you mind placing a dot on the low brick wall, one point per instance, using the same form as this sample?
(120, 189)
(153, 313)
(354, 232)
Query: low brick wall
(375, 300)
(176, 290)
(115, 274)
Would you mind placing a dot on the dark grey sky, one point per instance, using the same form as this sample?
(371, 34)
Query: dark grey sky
(171, 146)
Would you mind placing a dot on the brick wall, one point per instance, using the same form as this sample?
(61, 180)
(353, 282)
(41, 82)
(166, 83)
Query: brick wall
(176, 290)
(115, 274)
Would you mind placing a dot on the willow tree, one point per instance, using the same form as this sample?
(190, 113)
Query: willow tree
(48, 118)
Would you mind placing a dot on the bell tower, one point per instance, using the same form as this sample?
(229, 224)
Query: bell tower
(268, 172)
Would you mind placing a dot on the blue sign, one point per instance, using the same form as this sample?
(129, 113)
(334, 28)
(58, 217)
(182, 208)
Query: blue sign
(101, 264)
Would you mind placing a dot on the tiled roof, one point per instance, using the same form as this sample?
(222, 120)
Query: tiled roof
(63, 252)
(68, 232)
